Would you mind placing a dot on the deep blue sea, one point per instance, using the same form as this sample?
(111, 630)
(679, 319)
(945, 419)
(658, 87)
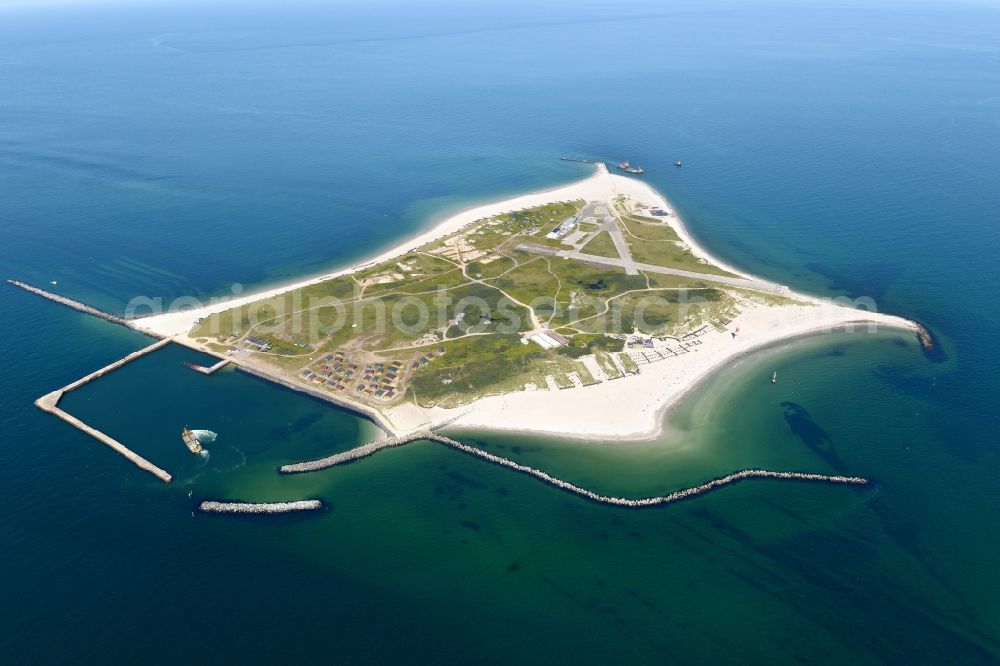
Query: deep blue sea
(176, 149)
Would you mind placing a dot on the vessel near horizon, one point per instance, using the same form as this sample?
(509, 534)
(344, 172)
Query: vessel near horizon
(628, 167)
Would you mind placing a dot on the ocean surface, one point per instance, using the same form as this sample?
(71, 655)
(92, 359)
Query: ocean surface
(182, 150)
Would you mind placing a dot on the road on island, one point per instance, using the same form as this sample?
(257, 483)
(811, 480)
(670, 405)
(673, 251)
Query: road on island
(614, 229)
(744, 283)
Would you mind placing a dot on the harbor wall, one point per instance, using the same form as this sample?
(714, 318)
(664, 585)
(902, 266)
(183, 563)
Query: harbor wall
(50, 403)
(372, 415)
(125, 360)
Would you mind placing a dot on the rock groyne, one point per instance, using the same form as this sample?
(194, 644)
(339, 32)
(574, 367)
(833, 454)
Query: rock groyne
(675, 496)
(212, 506)
(932, 348)
(77, 305)
(362, 451)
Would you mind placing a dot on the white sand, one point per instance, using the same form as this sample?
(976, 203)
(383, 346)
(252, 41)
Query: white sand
(627, 408)
(633, 407)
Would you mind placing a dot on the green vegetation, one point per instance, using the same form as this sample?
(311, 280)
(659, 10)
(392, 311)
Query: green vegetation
(496, 267)
(656, 311)
(473, 367)
(658, 244)
(602, 246)
(628, 363)
(494, 232)
(656, 231)
(589, 343)
(472, 294)
(607, 365)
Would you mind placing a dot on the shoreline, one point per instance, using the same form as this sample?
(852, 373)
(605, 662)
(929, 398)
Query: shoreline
(639, 402)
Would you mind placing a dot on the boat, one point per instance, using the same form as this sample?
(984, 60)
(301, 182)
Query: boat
(628, 168)
(194, 446)
(678, 163)
(774, 377)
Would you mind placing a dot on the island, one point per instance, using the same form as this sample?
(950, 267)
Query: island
(584, 310)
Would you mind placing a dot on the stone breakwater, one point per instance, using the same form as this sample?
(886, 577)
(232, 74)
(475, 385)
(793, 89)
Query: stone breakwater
(266, 507)
(362, 451)
(76, 305)
(931, 347)
(676, 496)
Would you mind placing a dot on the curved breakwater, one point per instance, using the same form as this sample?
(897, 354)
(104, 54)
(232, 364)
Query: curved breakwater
(686, 493)
(675, 496)
(265, 507)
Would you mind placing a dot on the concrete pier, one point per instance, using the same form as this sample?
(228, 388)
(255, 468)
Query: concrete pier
(76, 305)
(714, 484)
(210, 370)
(125, 360)
(265, 507)
(50, 403)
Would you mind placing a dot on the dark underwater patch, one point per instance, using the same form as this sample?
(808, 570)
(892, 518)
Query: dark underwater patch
(802, 425)
(297, 426)
(463, 480)
(860, 279)
(902, 379)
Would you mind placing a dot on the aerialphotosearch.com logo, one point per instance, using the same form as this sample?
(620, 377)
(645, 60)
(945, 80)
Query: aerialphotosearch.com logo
(310, 318)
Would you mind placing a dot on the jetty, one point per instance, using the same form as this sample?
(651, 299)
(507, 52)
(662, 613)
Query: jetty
(931, 347)
(264, 507)
(577, 159)
(366, 450)
(210, 370)
(50, 403)
(76, 305)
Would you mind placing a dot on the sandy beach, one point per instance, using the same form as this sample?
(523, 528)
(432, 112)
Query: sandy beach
(627, 408)
(632, 407)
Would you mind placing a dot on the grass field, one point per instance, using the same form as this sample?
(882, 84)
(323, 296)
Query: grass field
(602, 246)
(407, 307)
(659, 244)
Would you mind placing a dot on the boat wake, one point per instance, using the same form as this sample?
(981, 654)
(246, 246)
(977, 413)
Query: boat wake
(241, 463)
(204, 436)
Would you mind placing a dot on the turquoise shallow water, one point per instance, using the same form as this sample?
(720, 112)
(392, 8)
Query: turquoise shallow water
(171, 151)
